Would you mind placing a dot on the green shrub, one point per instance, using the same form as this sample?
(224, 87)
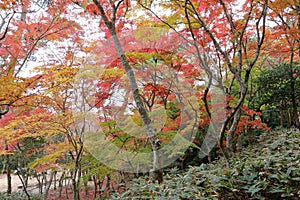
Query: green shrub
(19, 196)
(269, 170)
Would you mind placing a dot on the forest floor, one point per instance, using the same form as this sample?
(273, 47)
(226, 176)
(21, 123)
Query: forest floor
(15, 182)
(67, 194)
(53, 194)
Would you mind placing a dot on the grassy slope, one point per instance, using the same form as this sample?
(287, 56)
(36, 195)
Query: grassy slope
(268, 170)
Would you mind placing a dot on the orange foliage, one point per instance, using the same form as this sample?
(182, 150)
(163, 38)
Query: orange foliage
(246, 123)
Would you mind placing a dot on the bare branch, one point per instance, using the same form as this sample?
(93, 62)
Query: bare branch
(6, 29)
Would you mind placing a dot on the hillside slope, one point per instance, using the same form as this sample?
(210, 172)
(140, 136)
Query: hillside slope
(270, 169)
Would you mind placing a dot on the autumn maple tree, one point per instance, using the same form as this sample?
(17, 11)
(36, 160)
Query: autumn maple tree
(157, 72)
(21, 37)
(284, 36)
(234, 43)
(111, 12)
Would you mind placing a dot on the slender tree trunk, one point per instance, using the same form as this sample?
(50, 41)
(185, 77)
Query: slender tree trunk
(95, 187)
(151, 133)
(8, 171)
(60, 183)
(231, 137)
(294, 105)
(76, 174)
(40, 185)
(294, 117)
(24, 185)
(54, 186)
(66, 189)
(281, 117)
(289, 121)
(155, 142)
(74, 184)
(48, 185)
(249, 135)
(239, 142)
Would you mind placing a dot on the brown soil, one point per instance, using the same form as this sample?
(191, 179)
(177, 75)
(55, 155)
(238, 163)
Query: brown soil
(67, 194)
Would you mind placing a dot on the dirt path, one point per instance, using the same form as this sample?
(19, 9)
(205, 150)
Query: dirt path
(15, 181)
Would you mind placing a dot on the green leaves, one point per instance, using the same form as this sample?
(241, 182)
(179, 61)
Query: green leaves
(267, 171)
(274, 85)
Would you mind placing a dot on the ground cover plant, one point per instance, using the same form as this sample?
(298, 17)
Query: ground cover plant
(268, 170)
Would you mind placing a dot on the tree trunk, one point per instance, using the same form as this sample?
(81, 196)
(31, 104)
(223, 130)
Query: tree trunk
(249, 135)
(288, 113)
(231, 137)
(239, 143)
(76, 173)
(295, 119)
(54, 186)
(8, 171)
(60, 183)
(151, 133)
(24, 185)
(281, 117)
(95, 187)
(48, 185)
(75, 182)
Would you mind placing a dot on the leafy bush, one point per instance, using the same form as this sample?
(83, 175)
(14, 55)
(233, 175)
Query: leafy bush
(269, 170)
(19, 196)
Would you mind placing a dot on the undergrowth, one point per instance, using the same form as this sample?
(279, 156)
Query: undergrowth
(19, 196)
(268, 170)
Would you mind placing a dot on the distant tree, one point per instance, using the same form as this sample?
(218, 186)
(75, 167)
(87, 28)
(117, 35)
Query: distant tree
(283, 43)
(279, 88)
